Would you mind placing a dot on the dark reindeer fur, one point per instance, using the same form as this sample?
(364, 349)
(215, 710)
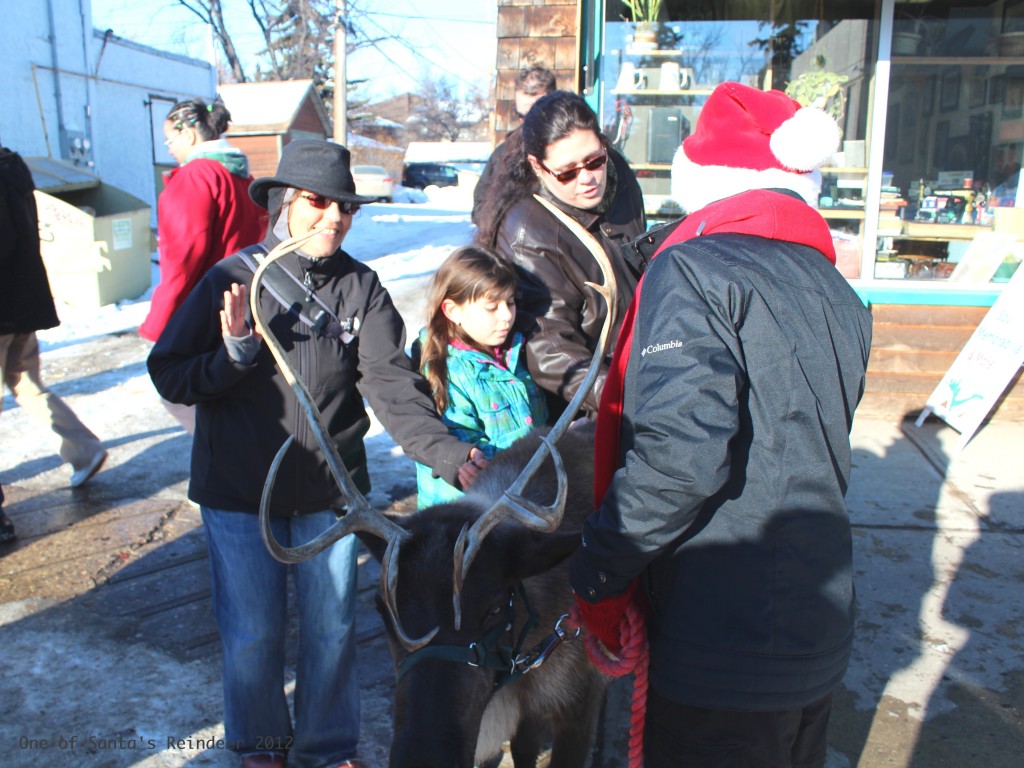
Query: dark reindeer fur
(447, 714)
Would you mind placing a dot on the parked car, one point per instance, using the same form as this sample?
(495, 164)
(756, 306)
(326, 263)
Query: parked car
(373, 181)
(420, 175)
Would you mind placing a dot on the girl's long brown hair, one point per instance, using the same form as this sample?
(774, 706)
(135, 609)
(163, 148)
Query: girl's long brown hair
(469, 273)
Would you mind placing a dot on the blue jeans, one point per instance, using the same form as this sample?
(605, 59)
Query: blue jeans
(250, 601)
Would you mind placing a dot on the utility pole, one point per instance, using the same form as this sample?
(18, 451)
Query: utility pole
(340, 90)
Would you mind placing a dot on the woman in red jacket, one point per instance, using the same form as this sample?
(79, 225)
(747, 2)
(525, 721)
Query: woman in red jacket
(203, 214)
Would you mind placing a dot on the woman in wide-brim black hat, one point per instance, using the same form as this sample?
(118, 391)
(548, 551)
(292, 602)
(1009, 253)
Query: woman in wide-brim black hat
(245, 411)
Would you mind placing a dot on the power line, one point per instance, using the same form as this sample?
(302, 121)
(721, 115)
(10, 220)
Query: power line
(149, 26)
(415, 52)
(431, 18)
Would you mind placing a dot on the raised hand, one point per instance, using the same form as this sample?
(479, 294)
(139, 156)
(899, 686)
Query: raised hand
(233, 315)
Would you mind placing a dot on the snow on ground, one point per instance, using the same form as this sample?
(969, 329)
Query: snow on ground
(404, 242)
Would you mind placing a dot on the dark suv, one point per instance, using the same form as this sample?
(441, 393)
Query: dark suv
(420, 175)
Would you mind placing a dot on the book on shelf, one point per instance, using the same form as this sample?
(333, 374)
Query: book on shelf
(889, 226)
(891, 204)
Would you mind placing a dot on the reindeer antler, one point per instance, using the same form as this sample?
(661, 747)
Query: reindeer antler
(360, 516)
(513, 504)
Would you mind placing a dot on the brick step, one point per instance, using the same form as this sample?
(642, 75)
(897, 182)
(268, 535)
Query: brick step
(910, 361)
(893, 395)
(900, 405)
(925, 315)
(925, 338)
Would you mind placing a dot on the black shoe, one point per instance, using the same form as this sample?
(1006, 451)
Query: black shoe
(6, 528)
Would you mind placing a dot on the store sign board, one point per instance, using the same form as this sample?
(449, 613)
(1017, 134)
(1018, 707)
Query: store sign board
(984, 367)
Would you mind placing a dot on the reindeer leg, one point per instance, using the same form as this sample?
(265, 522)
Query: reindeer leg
(573, 727)
(493, 762)
(528, 742)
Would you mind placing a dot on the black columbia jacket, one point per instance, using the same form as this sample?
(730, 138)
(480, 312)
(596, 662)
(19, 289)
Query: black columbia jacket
(747, 362)
(244, 413)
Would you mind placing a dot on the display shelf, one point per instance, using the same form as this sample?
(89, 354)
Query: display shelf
(921, 230)
(650, 121)
(959, 60)
(841, 213)
(661, 207)
(666, 53)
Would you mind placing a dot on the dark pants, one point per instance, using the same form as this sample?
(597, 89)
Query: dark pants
(693, 737)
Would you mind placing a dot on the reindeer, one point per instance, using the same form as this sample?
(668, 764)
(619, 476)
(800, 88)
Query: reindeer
(484, 668)
(497, 677)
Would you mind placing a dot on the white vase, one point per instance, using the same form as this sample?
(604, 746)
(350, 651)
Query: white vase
(645, 36)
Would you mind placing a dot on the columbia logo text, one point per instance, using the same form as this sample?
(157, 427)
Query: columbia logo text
(650, 349)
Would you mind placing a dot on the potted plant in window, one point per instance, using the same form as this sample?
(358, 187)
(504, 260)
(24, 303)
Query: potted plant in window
(644, 15)
(821, 89)
(827, 91)
(911, 29)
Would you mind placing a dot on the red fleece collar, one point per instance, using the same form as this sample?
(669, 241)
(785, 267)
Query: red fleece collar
(760, 212)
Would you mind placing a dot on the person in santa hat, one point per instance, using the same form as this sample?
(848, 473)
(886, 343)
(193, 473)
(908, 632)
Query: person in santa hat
(723, 450)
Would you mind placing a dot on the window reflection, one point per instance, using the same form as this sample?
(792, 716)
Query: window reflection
(953, 142)
(953, 139)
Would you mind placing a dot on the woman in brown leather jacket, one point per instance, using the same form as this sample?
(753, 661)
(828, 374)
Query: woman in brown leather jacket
(561, 154)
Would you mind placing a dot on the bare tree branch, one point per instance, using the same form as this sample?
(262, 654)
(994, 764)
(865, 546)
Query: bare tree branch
(211, 12)
(442, 114)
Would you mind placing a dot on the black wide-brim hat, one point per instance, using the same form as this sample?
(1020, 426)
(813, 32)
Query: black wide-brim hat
(318, 166)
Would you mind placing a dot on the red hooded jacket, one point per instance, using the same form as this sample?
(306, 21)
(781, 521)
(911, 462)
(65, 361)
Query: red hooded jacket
(203, 215)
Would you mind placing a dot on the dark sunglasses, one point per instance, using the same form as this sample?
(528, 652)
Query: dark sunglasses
(570, 174)
(322, 203)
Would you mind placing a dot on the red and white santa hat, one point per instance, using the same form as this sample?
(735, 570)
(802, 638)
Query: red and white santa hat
(751, 139)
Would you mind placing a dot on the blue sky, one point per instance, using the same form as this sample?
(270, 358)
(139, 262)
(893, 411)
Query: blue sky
(454, 39)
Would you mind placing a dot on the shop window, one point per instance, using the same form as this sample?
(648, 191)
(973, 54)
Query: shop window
(656, 77)
(954, 137)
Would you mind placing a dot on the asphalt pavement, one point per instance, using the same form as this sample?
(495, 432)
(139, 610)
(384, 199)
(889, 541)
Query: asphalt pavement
(109, 656)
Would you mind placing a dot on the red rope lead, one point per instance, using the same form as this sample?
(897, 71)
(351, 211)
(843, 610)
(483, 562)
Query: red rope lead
(634, 658)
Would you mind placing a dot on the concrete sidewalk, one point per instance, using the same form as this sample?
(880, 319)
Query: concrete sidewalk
(936, 677)
(110, 657)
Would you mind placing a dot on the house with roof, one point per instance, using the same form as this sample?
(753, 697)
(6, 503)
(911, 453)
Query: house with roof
(267, 116)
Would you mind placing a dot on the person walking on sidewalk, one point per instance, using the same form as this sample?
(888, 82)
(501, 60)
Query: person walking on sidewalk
(245, 409)
(203, 214)
(723, 450)
(26, 306)
(531, 83)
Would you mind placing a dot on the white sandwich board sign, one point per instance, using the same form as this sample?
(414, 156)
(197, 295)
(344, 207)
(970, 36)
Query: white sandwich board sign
(984, 367)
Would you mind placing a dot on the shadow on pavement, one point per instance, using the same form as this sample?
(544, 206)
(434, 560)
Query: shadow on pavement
(934, 681)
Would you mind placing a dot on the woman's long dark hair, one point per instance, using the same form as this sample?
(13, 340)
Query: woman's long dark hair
(470, 273)
(552, 117)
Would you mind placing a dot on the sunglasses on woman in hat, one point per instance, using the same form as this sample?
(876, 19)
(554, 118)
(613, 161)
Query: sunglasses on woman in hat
(313, 189)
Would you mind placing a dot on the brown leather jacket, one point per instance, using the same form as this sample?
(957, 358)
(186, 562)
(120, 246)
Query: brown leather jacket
(560, 316)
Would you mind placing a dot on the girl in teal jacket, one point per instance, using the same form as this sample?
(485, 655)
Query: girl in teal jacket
(475, 362)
